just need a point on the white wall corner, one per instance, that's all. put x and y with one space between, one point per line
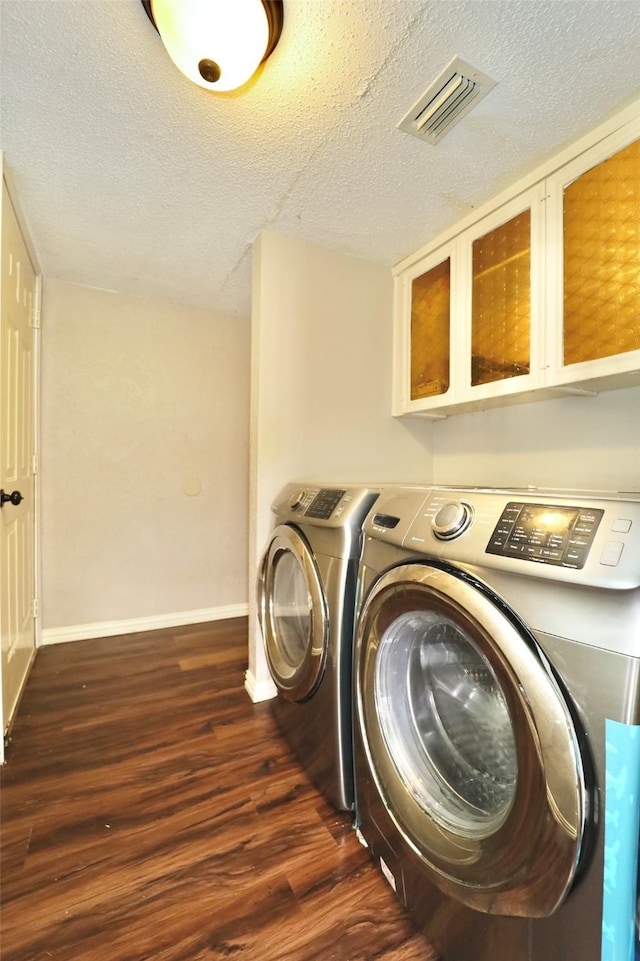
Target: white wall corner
259 689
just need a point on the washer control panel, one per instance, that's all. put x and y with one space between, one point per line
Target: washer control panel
590 537
544 533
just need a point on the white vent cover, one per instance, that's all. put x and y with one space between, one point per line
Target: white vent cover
458 88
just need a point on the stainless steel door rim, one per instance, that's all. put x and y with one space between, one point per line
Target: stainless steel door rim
498 824
293 614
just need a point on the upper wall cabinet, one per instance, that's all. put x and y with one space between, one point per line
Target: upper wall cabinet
538 297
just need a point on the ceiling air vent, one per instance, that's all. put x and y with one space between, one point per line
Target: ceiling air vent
458 88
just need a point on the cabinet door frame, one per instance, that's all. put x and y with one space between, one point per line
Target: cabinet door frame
473 395
403 281
618 370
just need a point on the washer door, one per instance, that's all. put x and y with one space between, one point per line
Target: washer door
470 741
293 614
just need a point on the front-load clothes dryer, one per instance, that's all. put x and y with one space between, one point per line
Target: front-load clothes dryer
306 598
497 728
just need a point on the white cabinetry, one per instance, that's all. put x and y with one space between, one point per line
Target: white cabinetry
537 296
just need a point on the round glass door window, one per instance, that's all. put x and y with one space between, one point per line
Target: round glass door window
446 723
290 610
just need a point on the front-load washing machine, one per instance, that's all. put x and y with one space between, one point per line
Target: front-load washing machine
497 728
306 599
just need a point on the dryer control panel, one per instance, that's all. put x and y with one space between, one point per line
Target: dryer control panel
324 503
318 506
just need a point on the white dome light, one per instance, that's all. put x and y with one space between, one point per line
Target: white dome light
219 44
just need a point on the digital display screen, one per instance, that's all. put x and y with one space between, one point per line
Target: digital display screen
552 520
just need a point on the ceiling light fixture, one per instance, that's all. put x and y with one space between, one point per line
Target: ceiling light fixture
219 44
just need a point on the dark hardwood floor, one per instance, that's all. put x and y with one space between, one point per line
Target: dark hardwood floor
151 811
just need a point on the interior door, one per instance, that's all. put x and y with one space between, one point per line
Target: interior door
17 517
471 742
293 614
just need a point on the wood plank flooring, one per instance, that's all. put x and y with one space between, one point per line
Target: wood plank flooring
151 811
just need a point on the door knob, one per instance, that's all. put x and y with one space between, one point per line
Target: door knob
13 498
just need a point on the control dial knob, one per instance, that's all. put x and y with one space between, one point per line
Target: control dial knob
297 499
451 520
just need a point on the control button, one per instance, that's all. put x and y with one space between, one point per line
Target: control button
579 541
513 549
576 557
580 528
621 526
611 553
451 520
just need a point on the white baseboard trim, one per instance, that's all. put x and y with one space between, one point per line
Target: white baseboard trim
84 632
263 690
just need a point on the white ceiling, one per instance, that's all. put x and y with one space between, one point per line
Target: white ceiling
133 179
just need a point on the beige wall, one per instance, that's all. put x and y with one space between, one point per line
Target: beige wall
145 410
576 442
321 385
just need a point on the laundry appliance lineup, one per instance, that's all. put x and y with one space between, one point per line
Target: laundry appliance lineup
484 648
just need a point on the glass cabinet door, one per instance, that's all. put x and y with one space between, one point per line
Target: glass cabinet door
593 267
501 314
601 259
501 302
430 354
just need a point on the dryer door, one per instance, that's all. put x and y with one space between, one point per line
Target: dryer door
471 742
293 614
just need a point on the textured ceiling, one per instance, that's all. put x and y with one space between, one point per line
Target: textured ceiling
133 179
